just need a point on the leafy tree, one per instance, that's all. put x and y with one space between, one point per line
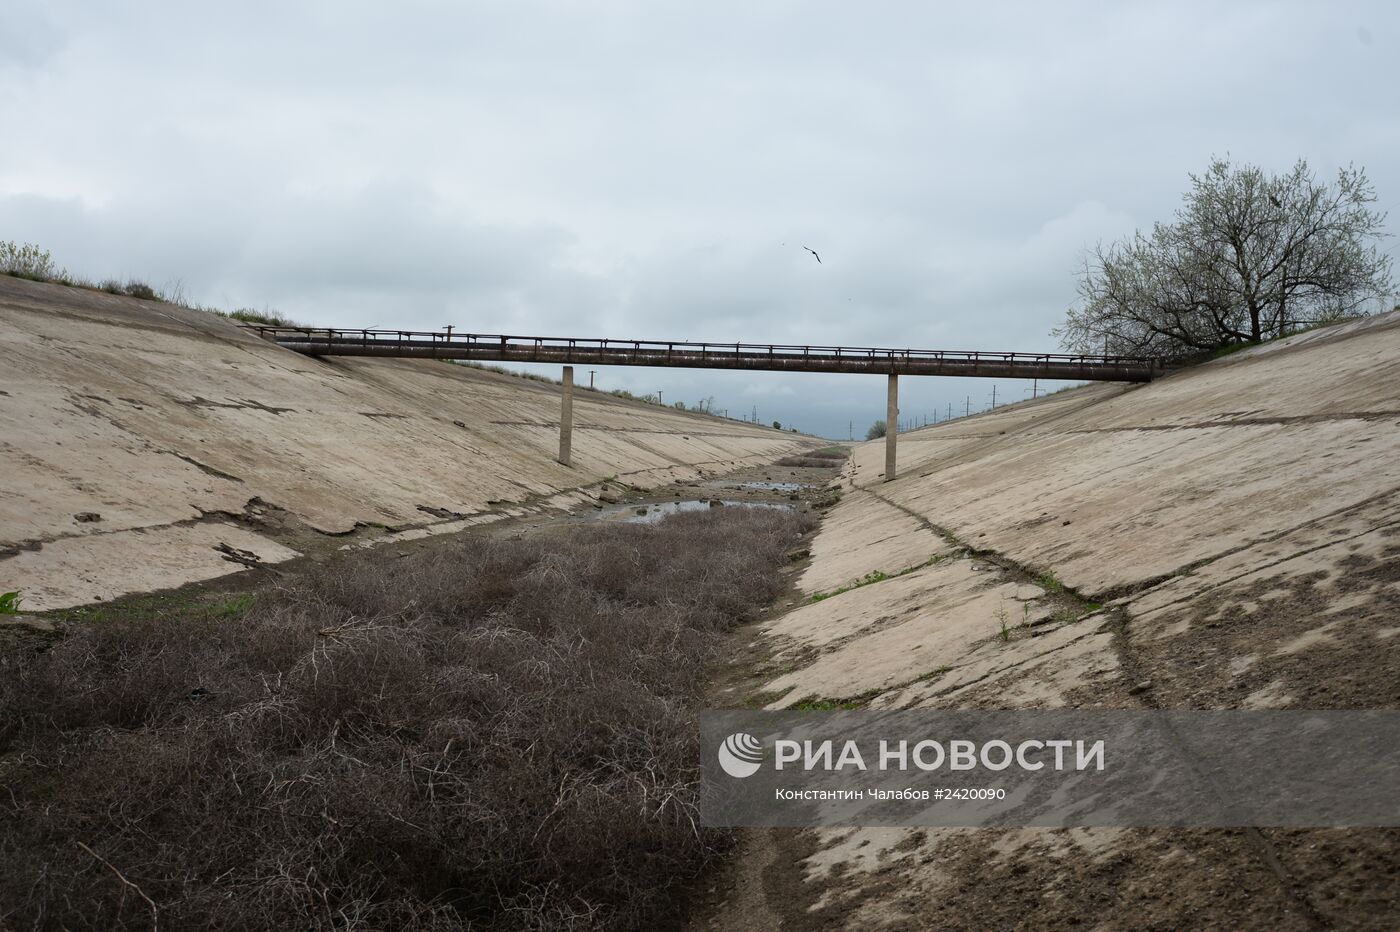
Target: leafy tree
876 431
1248 256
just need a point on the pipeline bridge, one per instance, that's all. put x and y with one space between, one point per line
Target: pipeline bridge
571 351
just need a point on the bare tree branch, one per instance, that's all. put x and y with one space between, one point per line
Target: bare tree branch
1247 256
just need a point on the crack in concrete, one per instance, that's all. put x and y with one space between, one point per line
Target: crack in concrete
202 467
1117 624
1126 592
247 517
444 513
554 425
199 401
1085 609
1021 663
242 557
1264 566
1250 422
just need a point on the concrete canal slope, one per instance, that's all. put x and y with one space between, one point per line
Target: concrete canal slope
144 445
1228 537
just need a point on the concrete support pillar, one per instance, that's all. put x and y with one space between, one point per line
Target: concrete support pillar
566 418
891 424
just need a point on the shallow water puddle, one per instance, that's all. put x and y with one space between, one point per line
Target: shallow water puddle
771 486
652 512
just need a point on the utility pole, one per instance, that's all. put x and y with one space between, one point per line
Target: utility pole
754 417
950 411
658 396
994 397
590 377
850 430
967 406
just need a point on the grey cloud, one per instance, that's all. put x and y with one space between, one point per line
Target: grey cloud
28 36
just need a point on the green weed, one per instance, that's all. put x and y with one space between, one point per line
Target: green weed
1003 630
761 700
827 705
866 580
234 607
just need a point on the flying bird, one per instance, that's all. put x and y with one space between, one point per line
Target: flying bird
1273 199
814 254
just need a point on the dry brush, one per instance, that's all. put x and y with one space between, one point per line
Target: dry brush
494 734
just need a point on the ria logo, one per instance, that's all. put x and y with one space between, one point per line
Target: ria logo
740 755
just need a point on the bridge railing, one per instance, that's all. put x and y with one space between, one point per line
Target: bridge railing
495 342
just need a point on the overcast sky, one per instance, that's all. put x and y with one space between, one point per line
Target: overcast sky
652 170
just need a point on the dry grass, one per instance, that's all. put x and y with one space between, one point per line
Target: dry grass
831 456
249 315
496 734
